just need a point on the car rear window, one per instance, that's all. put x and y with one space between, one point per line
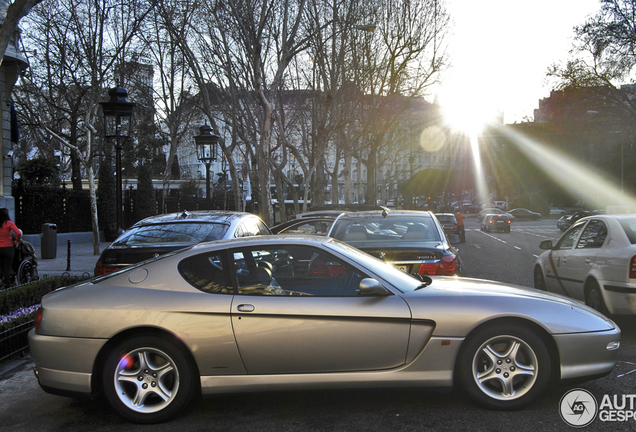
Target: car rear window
629 225
390 229
172 233
446 218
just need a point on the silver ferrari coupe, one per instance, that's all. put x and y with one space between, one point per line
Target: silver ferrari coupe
290 312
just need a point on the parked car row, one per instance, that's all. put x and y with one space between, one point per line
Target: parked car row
215 316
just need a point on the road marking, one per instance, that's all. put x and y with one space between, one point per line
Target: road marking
517 247
536 256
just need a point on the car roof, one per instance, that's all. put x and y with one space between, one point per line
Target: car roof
218 216
385 214
348 207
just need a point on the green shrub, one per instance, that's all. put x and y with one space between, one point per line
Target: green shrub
31 294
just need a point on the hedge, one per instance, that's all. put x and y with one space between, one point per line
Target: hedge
15 304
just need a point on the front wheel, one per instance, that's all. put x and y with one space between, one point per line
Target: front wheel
147 379
539 281
504 367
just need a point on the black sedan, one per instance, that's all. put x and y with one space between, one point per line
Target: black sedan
157 235
412 241
567 221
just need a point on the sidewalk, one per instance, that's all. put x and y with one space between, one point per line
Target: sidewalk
82 260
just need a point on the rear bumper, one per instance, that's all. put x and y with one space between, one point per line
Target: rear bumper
620 298
64 364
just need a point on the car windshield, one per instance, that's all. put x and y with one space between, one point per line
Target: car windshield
391 229
172 233
629 225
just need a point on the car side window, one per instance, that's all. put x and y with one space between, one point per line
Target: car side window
593 236
262 228
568 239
206 272
248 228
294 270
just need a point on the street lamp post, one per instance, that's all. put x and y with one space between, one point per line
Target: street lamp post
206 143
118 127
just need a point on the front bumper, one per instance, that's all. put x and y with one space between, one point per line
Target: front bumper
587 355
64 364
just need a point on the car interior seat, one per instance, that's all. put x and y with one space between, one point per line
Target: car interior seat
415 232
356 233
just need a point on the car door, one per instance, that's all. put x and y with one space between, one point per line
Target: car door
297 310
581 258
558 274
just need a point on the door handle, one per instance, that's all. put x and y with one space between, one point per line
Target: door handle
245 308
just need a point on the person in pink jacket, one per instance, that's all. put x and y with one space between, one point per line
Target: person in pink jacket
7 245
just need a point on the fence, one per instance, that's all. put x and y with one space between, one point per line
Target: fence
70 210
14 340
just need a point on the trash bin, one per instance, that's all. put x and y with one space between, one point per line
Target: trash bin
48 247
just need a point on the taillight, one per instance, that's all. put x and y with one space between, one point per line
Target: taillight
320 267
632 268
447 265
99 268
38 318
428 268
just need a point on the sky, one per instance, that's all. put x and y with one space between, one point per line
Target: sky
500 51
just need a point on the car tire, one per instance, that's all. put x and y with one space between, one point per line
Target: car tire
594 298
504 367
147 379
539 280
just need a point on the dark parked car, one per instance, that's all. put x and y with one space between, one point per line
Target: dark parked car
309 225
448 222
412 241
482 214
496 222
521 214
566 221
157 235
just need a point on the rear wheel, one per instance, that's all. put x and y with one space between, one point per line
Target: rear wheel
504 367
594 299
147 379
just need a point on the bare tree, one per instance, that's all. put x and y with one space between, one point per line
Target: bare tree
15 12
83 43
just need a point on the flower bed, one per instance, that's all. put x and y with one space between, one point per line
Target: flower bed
17 308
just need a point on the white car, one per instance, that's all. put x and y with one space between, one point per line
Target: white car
556 211
594 261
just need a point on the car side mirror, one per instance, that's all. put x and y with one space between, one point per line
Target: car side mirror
546 244
371 287
454 239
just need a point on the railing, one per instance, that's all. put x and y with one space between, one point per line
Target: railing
14 340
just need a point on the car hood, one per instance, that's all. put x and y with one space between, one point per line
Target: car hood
454 302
